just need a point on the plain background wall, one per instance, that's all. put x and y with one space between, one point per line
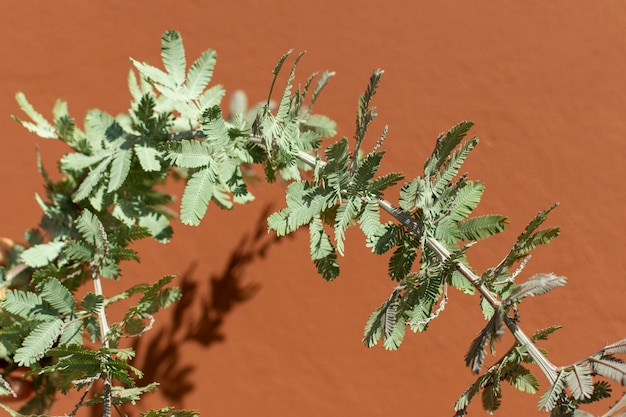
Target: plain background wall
258 333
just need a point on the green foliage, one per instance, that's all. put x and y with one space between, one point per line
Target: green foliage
109 196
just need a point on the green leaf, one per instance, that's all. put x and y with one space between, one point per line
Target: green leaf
72 333
369 222
154 74
481 227
200 74
173 55
158 225
190 154
58 296
336 169
42 254
538 284
214 127
549 399
580 381
345 215
401 261
491 332
451 166
27 305
80 161
492 396
149 158
321 83
382 183
445 144
524 380
92 303
467 199
120 167
543 334
41 127
79 251
38 342
322 125
92 179
196 197
609 367
169 412
89 227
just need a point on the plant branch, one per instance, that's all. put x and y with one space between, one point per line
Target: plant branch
548 369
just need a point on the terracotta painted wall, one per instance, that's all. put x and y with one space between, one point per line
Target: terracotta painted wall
258 333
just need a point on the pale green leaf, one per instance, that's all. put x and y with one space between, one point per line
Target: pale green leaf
92 179
42 254
173 55
26 304
190 154
149 158
154 74
482 227
322 125
549 399
120 167
196 197
38 342
345 215
58 296
580 381
200 74
445 145
40 125
538 284
88 226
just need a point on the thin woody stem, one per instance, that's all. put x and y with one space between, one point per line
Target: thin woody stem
433 244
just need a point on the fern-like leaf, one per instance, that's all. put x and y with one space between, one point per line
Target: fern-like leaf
345 215
537 285
452 165
617 347
173 55
92 179
200 74
190 154
196 197
120 167
580 381
550 398
445 144
39 125
322 125
58 296
543 334
38 342
481 227
476 353
609 367
88 226
42 254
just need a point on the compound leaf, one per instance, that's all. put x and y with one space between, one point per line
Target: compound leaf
200 74
173 55
58 296
477 228
196 197
42 254
38 342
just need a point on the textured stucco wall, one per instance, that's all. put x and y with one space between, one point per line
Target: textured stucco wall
258 333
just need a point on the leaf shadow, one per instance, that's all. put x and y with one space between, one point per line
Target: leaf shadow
199 316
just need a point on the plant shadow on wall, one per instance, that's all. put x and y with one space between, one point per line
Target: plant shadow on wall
199 317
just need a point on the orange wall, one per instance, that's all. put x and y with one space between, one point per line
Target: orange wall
265 336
